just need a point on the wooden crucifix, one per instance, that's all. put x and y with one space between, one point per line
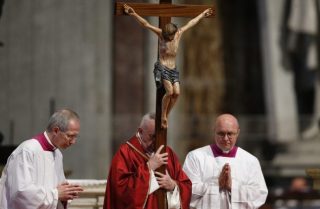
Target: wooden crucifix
165 10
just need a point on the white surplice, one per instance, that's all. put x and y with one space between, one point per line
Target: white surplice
248 191
30 178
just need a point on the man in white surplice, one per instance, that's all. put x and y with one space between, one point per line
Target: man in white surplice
223 175
33 177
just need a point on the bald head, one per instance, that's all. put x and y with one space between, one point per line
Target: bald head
226 131
228 119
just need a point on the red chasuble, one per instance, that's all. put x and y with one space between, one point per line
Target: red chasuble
129 178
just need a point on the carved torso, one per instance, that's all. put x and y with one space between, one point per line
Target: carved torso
168 51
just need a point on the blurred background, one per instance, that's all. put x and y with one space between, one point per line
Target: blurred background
258 60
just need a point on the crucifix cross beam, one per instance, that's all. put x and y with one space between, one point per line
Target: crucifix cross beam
164 9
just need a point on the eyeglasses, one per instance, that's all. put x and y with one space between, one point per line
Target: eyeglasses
70 137
230 135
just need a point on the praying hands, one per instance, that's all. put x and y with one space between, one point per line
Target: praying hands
225 178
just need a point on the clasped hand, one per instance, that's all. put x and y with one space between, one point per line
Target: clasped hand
158 159
68 191
165 181
225 178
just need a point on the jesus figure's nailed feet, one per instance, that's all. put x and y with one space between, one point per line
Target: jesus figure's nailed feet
164 123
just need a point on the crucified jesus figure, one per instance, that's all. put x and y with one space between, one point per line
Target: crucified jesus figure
165 70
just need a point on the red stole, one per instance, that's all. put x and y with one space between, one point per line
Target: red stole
217 152
46 146
129 176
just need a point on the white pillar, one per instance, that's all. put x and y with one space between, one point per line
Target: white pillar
279 90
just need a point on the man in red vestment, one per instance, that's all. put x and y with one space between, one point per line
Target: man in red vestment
132 177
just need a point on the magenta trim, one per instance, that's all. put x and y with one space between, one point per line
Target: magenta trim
41 138
217 152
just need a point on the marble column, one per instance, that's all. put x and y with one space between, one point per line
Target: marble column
58 54
279 91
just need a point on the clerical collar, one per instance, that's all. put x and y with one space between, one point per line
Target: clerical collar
139 138
45 142
217 152
48 140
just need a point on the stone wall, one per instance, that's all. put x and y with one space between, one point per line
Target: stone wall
58 54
